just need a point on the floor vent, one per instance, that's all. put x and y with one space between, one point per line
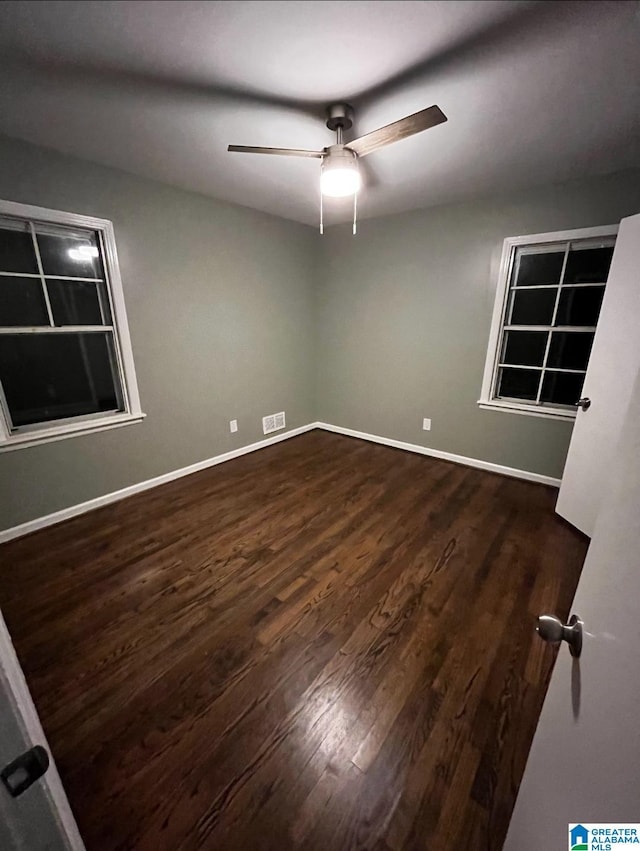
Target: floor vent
274 422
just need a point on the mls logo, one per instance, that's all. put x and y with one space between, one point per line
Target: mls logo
578 838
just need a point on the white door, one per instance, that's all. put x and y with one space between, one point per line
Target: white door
584 765
615 358
39 819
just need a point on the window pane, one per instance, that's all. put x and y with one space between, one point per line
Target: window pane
519 383
16 251
562 388
22 302
74 302
588 266
570 349
524 347
542 268
69 255
532 307
52 376
579 305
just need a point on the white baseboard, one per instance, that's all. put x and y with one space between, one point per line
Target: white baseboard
445 456
106 499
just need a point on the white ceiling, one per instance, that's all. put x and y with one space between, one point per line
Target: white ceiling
534 92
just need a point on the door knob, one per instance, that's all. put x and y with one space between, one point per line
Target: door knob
584 403
551 629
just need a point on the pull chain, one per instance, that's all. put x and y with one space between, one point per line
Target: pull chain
355 210
321 199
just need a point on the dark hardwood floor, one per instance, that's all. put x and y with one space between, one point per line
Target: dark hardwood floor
327 644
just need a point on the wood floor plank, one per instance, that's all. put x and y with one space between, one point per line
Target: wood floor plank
328 644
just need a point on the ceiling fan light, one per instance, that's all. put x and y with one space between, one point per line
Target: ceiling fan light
340 182
340 175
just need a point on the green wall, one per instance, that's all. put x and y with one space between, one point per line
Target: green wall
220 307
404 311
237 314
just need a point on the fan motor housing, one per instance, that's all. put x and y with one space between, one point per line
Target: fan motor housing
340 115
339 155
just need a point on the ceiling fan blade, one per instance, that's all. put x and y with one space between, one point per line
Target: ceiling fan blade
408 126
282 152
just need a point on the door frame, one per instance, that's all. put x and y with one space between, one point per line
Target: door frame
14 685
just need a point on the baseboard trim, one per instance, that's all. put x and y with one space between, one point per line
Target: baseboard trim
445 456
114 496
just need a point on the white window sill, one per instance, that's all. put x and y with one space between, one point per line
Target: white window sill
48 435
527 410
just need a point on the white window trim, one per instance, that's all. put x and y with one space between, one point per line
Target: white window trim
509 247
133 411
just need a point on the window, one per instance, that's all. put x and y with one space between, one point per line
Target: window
66 365
548 300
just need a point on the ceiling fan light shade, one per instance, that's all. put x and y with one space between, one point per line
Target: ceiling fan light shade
340 175
340 182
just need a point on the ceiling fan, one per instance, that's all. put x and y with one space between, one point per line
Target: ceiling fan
339 172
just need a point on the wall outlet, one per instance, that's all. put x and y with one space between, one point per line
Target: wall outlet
274 422
233 425
426 424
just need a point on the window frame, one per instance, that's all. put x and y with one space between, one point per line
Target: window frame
487 400
38 433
